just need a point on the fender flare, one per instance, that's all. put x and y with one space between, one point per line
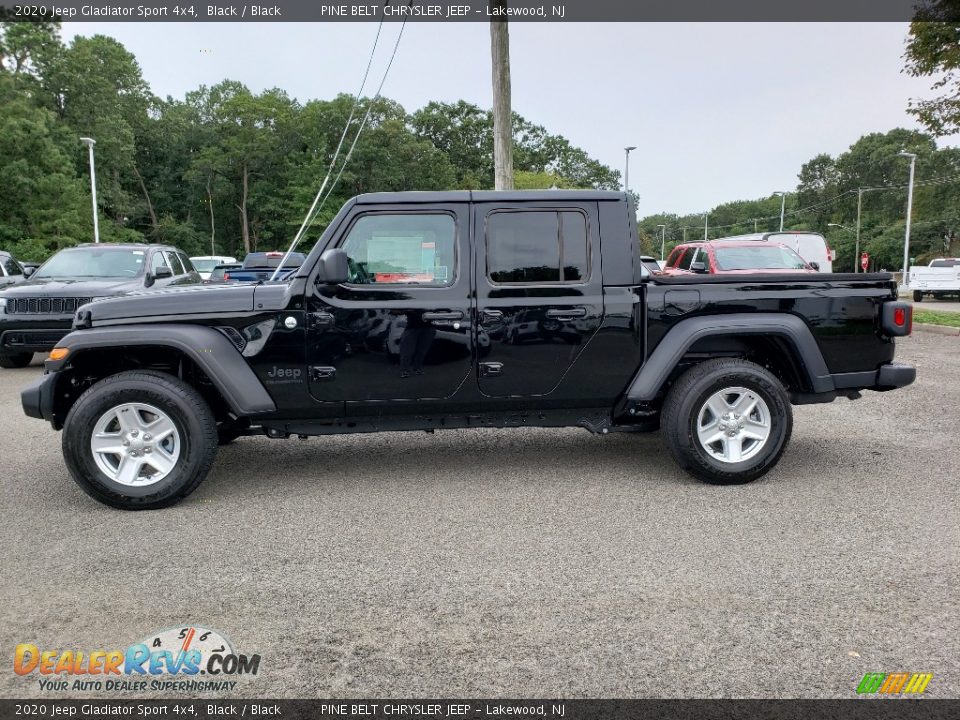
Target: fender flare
208 348
655 372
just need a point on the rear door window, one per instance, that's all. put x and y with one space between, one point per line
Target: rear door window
537 246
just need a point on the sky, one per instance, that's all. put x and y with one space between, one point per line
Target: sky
717 111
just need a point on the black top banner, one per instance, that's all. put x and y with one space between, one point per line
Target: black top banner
475 10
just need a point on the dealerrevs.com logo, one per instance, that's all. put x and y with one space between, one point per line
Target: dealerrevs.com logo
187 659
900 683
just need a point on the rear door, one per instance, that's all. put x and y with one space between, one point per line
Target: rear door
539 293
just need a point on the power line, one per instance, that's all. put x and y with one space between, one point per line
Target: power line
319 202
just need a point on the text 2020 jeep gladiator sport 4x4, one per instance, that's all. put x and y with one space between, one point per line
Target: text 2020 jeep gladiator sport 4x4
425 311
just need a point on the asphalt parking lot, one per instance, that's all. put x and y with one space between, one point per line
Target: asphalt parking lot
536 563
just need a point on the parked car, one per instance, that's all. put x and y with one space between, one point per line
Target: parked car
205 264
260 266
940 279
11 271
811 246
147 385
37 312
221 273
732 257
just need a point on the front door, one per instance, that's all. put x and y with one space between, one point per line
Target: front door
399 329
539 293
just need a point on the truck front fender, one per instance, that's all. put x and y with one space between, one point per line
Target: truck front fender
656 371
213 353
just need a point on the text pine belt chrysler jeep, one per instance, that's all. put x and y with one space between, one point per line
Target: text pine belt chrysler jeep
427 311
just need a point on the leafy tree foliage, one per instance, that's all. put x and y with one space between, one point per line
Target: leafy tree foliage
933 50
223 170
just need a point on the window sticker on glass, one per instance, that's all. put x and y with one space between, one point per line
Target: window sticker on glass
401 249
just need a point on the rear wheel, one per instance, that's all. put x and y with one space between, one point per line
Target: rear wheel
727 421
917 296
140 440
15 360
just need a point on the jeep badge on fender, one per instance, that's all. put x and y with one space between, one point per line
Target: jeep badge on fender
425 311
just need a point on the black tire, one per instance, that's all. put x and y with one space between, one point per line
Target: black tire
190 413
917 296
682 411
15 360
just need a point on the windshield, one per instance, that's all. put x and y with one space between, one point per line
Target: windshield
945 263
93 263
760 257
204 265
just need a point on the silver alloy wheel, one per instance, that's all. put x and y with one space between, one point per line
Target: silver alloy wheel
733 425
135 444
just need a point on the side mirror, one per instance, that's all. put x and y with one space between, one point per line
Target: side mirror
698 267
28 271
815 265
334 267
159 274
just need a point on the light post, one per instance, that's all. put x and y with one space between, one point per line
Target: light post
706 219
856 255
90 142
783 205
626 169
663 239
906 241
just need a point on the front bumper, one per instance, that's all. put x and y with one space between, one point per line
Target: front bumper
37 398
27 333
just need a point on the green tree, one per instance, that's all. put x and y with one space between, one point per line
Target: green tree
933 49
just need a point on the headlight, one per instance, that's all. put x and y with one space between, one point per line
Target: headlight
3 305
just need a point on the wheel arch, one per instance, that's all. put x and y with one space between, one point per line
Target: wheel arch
198 354
777 337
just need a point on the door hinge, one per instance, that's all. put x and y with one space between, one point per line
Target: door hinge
322 373
491 369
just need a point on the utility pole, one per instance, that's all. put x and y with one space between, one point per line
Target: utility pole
502 113
663 239
706 217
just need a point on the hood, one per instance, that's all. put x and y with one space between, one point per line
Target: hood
192 300
65 287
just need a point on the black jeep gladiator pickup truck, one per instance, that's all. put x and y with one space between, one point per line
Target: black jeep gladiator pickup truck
426 311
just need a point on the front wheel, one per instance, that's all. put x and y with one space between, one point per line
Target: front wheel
727 421
139 440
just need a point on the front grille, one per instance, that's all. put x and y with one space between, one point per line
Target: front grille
45 305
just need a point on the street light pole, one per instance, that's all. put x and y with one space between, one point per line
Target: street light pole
856 253
626 169
706 219
783 205
90 142
663 239
906 241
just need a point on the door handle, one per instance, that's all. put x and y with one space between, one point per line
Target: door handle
567 313
452 315
493 314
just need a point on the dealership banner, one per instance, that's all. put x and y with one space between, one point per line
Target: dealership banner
462 10
360 709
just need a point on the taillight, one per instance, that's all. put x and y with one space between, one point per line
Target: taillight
226 276
897 319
